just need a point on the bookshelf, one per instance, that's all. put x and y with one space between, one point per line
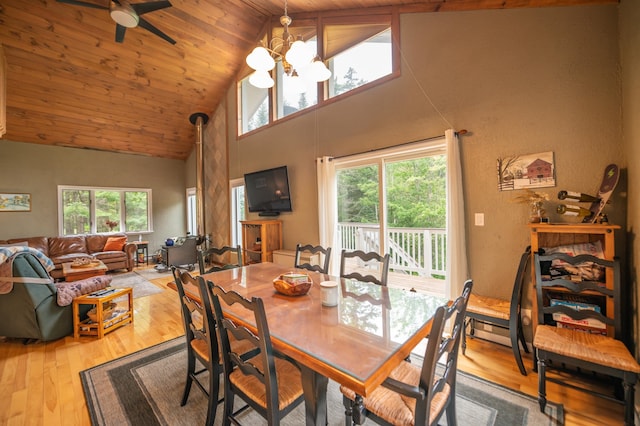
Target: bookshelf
545 235
260 238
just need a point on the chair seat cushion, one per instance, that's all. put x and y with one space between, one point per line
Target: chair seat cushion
289 383
595 348
483 305
396 408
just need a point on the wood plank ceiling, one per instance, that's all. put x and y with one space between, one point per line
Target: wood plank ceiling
70 84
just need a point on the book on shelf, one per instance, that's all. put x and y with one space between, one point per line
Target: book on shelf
578 306
578 327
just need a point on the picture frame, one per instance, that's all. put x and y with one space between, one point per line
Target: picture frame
15 202
526 171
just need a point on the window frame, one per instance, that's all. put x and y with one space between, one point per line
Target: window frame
92 208
374 16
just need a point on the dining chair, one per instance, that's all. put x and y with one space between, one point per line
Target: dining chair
270 382
570 320
414 394
501 313
325 254
202 345
220 257
357 262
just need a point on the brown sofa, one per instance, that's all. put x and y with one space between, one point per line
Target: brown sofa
68 248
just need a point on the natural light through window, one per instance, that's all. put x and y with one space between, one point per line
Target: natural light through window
361 64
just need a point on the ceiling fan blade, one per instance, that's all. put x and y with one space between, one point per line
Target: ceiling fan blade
120 29
147 26
142 8
83 4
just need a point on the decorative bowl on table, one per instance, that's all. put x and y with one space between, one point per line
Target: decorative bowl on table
293 284
84 262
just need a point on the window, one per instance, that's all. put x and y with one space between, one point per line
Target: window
99 210
361 64
192 212
358 50
237 210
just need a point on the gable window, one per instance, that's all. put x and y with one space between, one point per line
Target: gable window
85 210
359 50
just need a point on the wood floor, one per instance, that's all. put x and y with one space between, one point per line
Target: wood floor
40 382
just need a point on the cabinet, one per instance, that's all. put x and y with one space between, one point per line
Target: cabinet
544 235
260 238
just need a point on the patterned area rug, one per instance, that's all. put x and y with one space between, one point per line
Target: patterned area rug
145 388
141 287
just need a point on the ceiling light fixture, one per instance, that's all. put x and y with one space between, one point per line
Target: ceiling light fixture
298 60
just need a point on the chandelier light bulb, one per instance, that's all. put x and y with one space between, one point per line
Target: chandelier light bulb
260 60
299 55
261 79
318 71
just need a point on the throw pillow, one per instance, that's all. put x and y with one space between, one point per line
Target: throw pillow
115 244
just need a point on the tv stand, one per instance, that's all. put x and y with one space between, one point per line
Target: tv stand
269 214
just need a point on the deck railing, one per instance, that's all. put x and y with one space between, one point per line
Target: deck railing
414 251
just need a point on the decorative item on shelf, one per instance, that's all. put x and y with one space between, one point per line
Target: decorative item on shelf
535 200
293 284
107 310
299 61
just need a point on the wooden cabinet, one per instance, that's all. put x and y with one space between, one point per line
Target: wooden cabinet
260 238
544 235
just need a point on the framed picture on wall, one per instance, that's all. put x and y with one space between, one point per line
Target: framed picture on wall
15 202
526 171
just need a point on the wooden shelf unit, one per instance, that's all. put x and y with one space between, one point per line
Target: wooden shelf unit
260 238
121 315
545 235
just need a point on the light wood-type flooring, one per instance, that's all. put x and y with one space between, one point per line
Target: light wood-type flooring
40 383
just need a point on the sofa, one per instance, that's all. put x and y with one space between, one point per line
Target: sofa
32 306
67 248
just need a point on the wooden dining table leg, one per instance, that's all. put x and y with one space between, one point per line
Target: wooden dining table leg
314 386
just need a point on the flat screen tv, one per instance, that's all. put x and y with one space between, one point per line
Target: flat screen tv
268 191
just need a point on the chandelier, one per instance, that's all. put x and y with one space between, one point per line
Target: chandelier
298 60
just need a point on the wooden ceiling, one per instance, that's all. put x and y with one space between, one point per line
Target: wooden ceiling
70 84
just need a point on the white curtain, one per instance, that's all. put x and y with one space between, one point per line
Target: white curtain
328 209
457 271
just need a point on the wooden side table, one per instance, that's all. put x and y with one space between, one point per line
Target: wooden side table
142 252
104 323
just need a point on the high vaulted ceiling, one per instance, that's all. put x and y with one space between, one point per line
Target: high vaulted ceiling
70 84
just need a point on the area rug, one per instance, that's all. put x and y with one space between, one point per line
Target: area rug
153 273
141 287
145 388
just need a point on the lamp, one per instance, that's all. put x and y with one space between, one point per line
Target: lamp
298 61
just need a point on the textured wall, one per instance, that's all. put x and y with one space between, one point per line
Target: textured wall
521 81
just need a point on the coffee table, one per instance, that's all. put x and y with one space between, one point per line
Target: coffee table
75 273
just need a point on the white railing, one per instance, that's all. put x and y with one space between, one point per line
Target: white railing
414 251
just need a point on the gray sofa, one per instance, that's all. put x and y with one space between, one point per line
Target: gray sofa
67 248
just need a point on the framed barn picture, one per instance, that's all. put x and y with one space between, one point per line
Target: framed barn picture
526 171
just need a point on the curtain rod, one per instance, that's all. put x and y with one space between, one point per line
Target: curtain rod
460 132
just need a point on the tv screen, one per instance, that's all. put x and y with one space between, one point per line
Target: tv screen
268 191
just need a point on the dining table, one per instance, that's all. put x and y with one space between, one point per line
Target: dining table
357 342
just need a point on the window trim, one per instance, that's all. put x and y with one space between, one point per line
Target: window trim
373 16
92 213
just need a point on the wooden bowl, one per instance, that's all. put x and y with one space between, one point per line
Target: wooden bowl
289 289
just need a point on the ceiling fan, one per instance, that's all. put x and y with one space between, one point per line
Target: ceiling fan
127 15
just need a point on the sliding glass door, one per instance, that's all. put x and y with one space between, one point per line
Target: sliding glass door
394 202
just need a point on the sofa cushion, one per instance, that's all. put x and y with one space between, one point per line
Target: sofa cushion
59 246
115 244
38 243
96 242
